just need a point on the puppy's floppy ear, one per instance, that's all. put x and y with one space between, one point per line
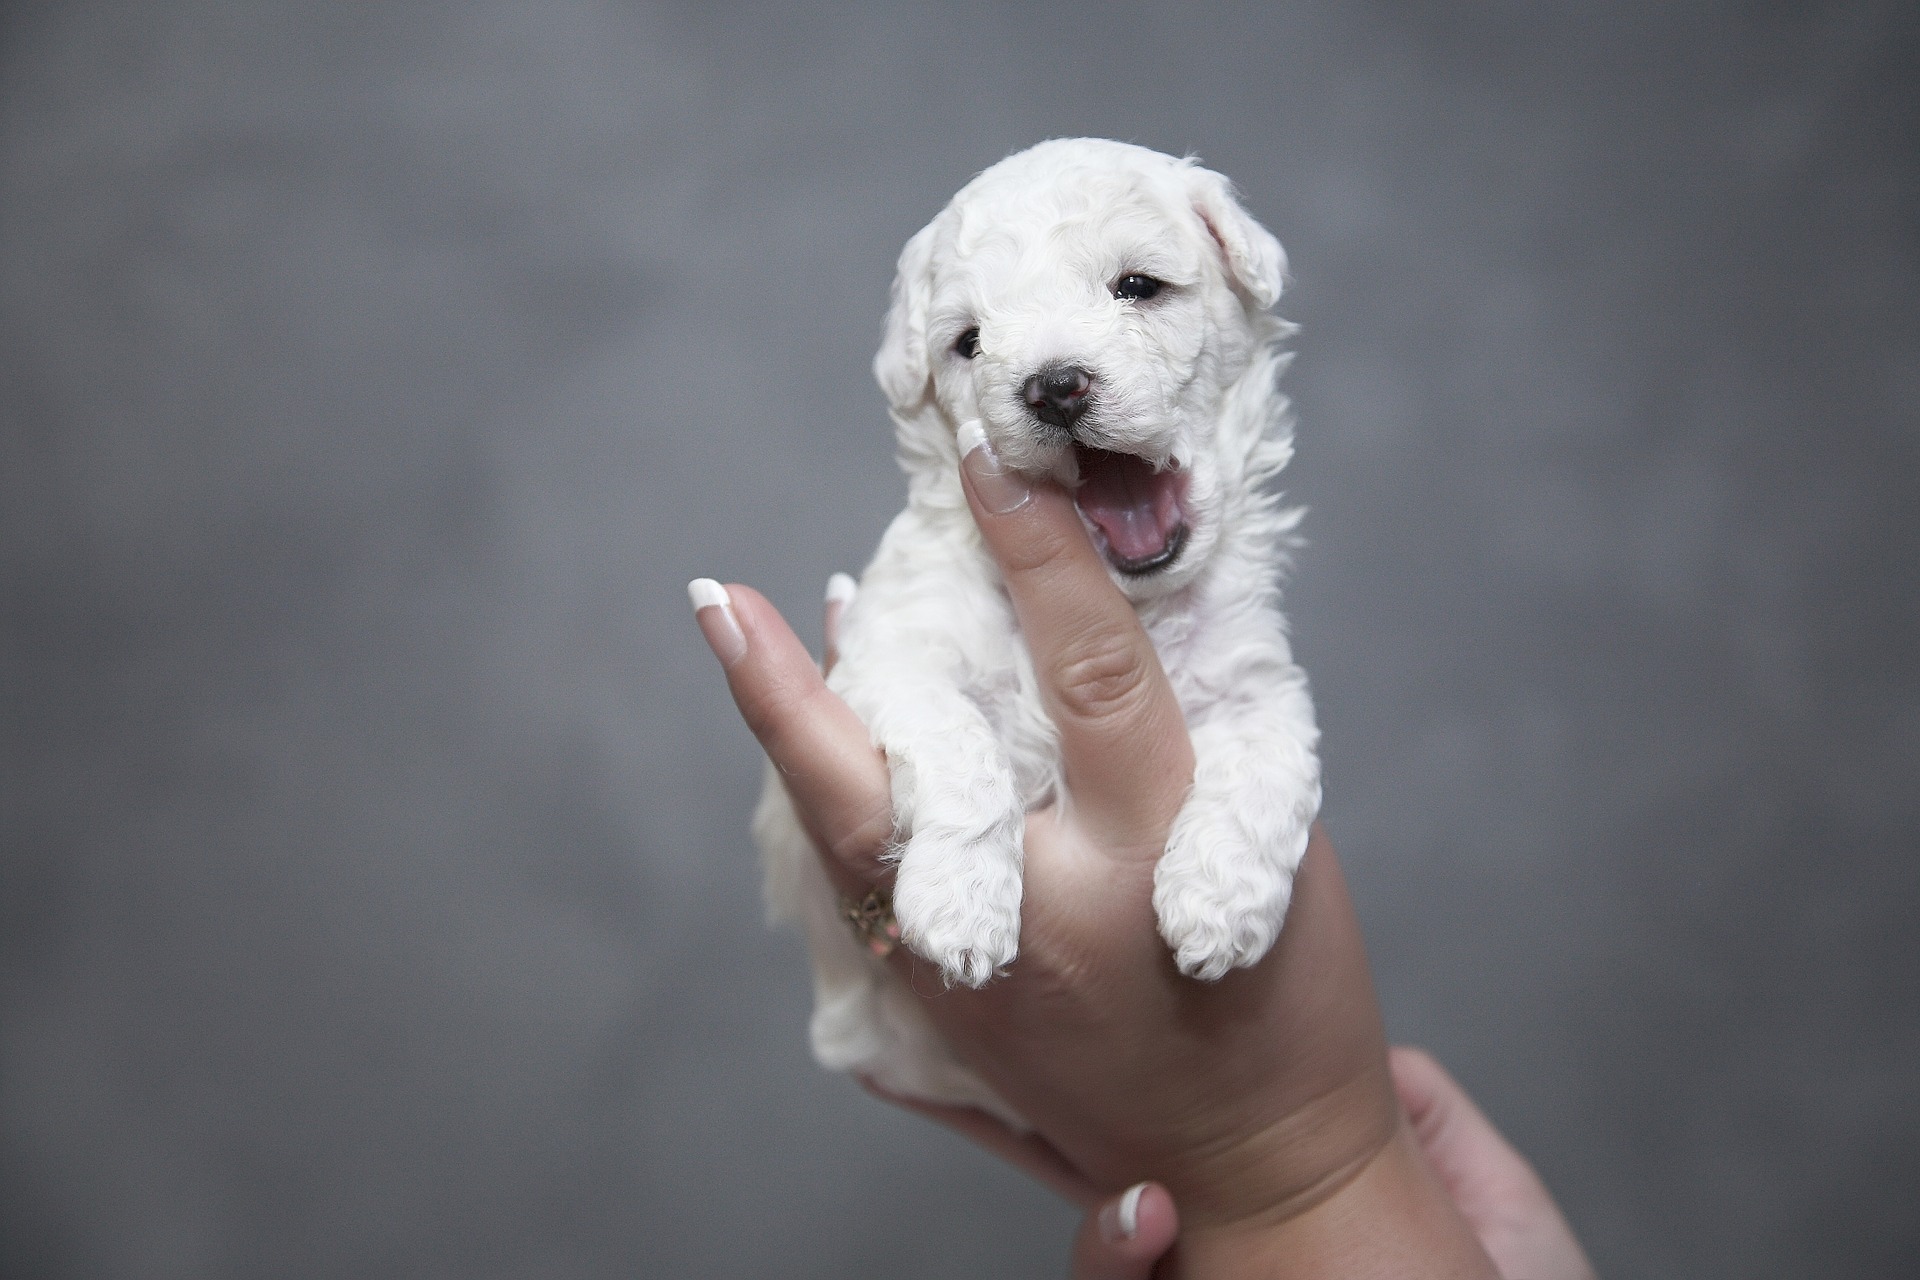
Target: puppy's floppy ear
902 366
1254 258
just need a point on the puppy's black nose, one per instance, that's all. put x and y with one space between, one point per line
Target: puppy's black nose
1058 394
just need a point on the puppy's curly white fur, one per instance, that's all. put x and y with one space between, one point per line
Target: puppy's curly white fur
1099 314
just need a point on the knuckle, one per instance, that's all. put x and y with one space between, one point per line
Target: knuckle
773 708
1101 679
770 699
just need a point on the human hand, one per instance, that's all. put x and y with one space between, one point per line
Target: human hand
1496 1190
1509 1209
1263 1101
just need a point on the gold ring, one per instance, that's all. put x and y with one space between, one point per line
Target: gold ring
873 922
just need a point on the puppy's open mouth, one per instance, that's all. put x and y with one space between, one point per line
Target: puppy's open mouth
1138 513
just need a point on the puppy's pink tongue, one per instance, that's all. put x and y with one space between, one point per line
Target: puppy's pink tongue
1134 506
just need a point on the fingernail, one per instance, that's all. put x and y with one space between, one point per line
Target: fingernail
841 589
713 610
998 489
1119 1220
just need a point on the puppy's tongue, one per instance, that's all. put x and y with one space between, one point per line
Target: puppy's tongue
1135 507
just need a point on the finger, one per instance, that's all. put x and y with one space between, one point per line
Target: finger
1126 1235
841 590
837 779
1464 1147
1492 1184
1123 742
1028 1152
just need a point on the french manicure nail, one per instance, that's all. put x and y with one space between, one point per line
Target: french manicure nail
713 610
841 589
998 489
1119 1220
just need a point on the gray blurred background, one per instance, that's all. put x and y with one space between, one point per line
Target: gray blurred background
377 897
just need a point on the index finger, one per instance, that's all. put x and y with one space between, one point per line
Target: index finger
837 780
1123 741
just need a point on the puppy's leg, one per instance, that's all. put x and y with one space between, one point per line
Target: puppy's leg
1221 890
865 1020
957 896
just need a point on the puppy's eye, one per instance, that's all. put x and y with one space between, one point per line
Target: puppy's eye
1136 286
968 343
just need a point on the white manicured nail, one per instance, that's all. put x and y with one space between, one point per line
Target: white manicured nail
970 436
841 589
1119 1221
1000 491
713 610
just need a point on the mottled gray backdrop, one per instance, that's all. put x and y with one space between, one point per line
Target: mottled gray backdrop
377 898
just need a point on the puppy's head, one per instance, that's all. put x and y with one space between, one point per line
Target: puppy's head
1092 304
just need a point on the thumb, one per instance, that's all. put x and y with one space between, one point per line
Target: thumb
1124 1236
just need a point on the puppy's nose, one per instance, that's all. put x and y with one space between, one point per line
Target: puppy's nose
1058 394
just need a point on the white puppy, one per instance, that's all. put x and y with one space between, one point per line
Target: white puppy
1098 312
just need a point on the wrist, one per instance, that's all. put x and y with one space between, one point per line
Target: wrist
1388 1216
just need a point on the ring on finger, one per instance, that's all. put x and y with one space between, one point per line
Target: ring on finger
873 922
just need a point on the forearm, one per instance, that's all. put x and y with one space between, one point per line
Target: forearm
1392 1220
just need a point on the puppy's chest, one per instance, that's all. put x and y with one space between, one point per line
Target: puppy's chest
1009 699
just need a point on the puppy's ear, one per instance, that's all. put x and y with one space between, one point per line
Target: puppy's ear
1254 258
902 366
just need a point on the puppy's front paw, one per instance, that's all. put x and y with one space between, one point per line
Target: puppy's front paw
1220 901
958 904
